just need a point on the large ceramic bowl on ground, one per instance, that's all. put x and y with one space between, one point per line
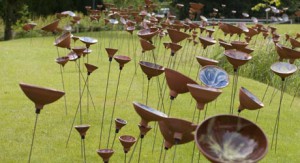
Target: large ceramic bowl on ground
39 95
151 69
148 114
213 76
283 69
229 138
248 100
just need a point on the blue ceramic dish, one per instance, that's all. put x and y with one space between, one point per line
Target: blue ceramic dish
213 76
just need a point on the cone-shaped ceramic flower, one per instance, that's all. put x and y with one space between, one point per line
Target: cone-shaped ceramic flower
248 100
105 154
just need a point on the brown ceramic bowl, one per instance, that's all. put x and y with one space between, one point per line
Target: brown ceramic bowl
229 138
63 41
88 41
147 113
237 58
151 69
120 123
29 26
282 53
82 129
146 45
78 50
283 69
90 68
127 141
174 48
147 34
39 95
72 56
225 45
206 61
177 82
238 45
177 36
248 100
203 94
122 60
62 60
206 41
105 154
51 27
111 52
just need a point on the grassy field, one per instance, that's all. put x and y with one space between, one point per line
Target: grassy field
32 61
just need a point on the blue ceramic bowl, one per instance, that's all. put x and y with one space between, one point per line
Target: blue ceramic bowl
214 76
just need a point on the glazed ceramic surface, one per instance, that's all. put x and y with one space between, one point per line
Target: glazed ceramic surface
177 36
203 61
237 58
283 69
248 100
127 141
229 138
151 69
82 129
105 154
213 76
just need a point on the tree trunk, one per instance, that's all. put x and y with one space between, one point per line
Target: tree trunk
8 19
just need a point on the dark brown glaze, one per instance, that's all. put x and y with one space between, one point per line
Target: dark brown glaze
177 82
105 154
210 32
130 29
82 129
51 27
239 45
147 113
127 141
176 131
147 34
146 45
291 53
287 37
252 32
234 30
120 123
248 100
144 130
206 61
282 53
151 69
62 60
237 58
174 48
295 43
229 138
283 69
111 52
196 6
206 41
75 38
177 36
63 41
78 50
122 60
225 45
28 26
40 96
90 68
203 94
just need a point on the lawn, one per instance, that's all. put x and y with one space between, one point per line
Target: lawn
33 61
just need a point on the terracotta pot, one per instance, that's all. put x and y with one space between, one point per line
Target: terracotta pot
174 48
206 61
40 96
63 41
177 36
82 129
90 68
105 154
88 41
78 50
214 77
229 138
120 123
148 114
248 100
122 60
283 69
151 69
51 27
237 58
147 34
127 141
177 82
146 45
291 53
111 52
206 41
178 128
62 60
203 94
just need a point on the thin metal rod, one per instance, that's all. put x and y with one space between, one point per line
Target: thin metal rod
132 153
113 109
104 104
169 112
147 92
139 158
198 119
63 84
33 136
84 155
174 153
112 146
165 156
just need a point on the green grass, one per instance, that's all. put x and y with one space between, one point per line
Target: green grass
32 61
